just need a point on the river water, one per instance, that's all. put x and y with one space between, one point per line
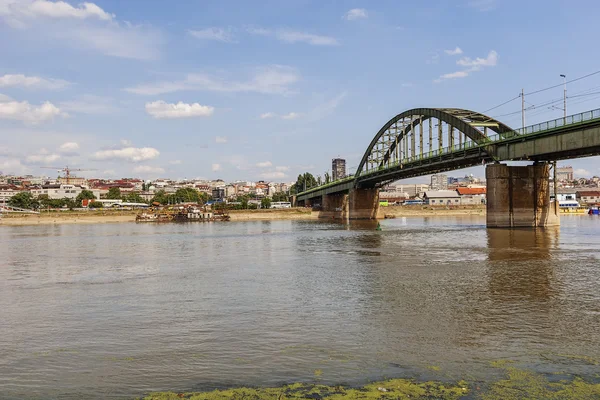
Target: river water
118 310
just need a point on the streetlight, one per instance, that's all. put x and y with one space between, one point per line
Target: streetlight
564 95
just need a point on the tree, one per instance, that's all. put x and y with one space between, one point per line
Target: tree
304 182
327 178
47 202
133 197
95 204
279 196
114 193
85 195
70 203
24 200
265 203
160 196
243 200
187 195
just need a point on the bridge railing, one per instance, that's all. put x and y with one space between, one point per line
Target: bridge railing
549 125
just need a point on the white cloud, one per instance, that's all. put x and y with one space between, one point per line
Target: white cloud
253 30
327 108
28 113
356 13
264 164
18 10
282 168
454 75
32 82
303 37
132 154
457 51
220 139
272 79
109 172
291 115
582 173
4 98
267 115
175 162
272 175
160 109
85 27
490 61
216 167
148 170
290 36
218 34
89 104
69 148
483 5
471 66
43 157
12 166
434 58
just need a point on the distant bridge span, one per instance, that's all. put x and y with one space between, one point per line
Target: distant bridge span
425 141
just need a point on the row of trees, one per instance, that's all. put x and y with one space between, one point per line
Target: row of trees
182 195
27 200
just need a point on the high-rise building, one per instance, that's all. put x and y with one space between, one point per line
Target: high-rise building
338 169
564 173
439 182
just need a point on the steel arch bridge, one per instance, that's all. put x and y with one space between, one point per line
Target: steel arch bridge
424 141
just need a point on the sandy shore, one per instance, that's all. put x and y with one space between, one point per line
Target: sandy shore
236 215
66 218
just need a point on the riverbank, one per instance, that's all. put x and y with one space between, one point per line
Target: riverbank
516 384
420 211
68 217
104 216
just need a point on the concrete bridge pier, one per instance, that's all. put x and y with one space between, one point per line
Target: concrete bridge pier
519 196
363 203
335 206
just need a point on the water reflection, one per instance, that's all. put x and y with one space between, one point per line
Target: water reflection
521 263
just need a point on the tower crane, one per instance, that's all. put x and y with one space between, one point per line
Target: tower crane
68 171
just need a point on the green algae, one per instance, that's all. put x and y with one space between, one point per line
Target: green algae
518 384
521 384
391 389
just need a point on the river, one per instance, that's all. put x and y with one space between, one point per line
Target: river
119 310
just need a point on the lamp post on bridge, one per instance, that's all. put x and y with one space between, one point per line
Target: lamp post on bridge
564 96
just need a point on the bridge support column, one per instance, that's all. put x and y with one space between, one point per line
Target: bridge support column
520 196
363 203
335 206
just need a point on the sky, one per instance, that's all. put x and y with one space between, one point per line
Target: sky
265 90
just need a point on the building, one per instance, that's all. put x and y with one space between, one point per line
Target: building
72 180
564 173
414 190
62 191
564 194
442 198
8 191
471 196
218 193
338 169
439 182
588 196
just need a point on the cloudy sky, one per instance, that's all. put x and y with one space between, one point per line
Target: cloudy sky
269 89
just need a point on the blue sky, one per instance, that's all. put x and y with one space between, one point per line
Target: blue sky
269 89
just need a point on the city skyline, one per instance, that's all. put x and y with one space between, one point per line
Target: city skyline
266 94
